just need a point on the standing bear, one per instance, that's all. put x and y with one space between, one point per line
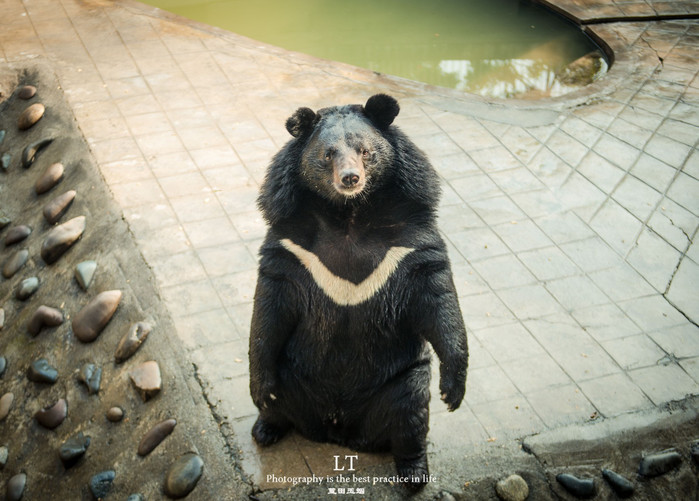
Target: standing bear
354 281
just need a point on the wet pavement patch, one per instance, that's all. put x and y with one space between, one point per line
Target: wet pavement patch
73 286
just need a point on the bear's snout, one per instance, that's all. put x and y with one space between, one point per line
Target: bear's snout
349 176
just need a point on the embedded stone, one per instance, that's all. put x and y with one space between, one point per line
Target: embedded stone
5 161
50 178
44 316
146 379
91 376
52 416
15 262
2 318
183 475
40 371
155 435
6 404
54 210
3 365
621 485
4 454
654 465
136 497
84 273
30 116
2 136
15 487
95 315
115 414
131 341
73 449
17 234
512 488
101 484
26 288
26 92
582 488
4 222
30 153
61 238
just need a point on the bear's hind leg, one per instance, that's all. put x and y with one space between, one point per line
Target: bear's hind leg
267 430
397 418
409 447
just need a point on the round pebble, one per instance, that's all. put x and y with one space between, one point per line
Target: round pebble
32 150
61 238
5 161
582 488
2 136
26 92
622 486
155 435
50 178
95 315
52 416
3 365
54 210
2 318
30 116
512 488
101 484
183 475
654 465
73 449
131 341
15 263
26 288
15 487
40 371
146 379
4 454
91 377
17 234
115 414
84 273
136 497
6 404
44 316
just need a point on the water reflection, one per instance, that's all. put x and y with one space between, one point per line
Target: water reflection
497 48
522 78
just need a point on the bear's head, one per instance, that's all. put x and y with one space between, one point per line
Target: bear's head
345 149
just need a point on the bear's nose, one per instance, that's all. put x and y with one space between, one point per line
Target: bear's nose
349 180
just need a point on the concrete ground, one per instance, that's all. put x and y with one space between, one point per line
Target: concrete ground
571 221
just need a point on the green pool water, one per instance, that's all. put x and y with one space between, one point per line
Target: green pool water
496 48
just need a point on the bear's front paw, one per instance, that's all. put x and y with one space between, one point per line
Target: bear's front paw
265 433
263 395
452 392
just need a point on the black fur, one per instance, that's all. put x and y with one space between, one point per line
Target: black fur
355 375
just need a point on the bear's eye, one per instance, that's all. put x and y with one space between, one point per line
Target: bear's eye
365 153
328 155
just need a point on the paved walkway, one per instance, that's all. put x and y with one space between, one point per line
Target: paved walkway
571 222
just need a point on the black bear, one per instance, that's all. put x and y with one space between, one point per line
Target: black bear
354 280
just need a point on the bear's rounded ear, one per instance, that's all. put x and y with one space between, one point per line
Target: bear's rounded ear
381 109
301 122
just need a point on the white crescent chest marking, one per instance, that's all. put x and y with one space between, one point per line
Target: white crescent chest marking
341 291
